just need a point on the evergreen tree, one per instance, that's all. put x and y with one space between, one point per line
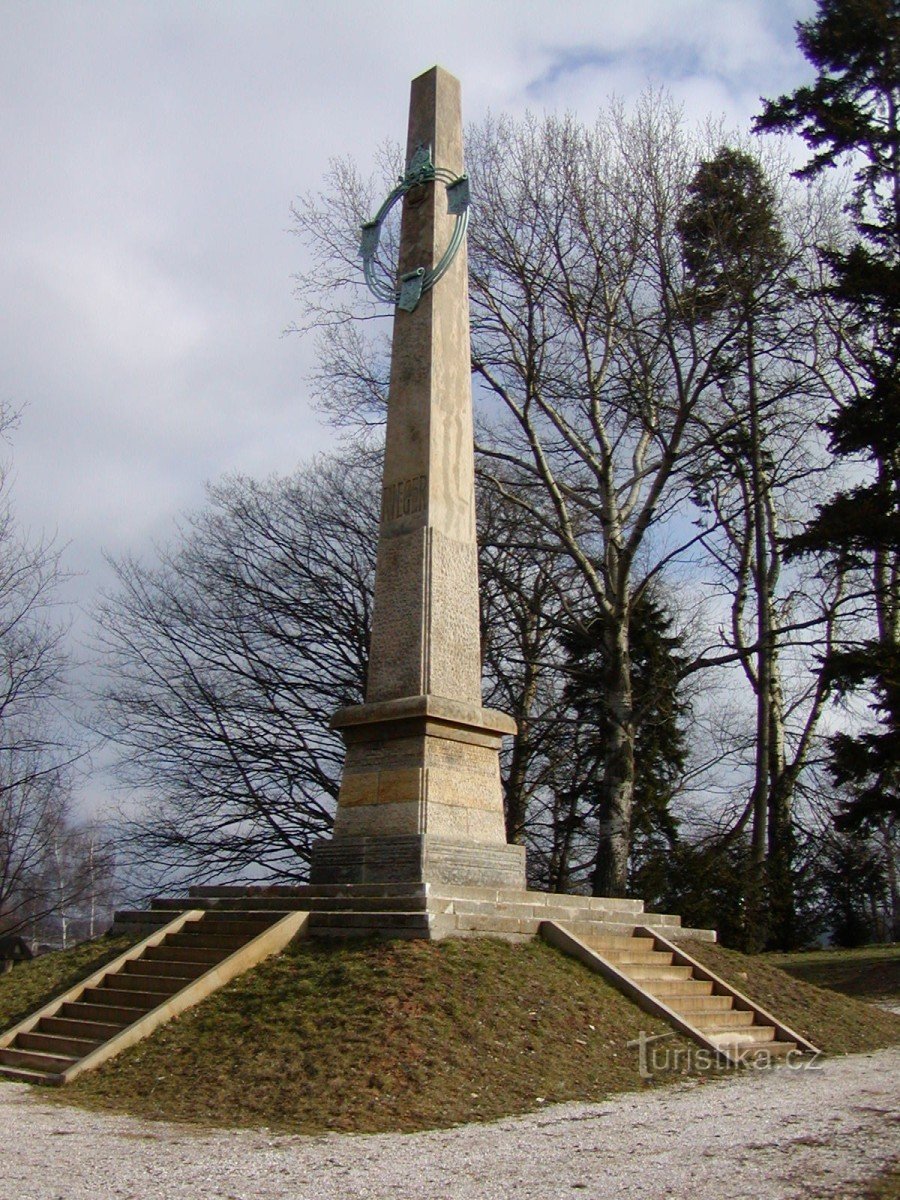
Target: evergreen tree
852 878
851 114
660 711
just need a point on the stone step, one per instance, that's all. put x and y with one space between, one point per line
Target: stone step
653 974
245 925
600 934
644 958
114 997
685 932
165 966
692 1005
207 939
720 1020
562 912
189 954
168 907
160 985
35 1060
119 1015
763 1050
670 989
280 904
741 1037
414 902
439 932
538 899
303 891
588 930
481 923
604 943
381 932
369 904
366 920
21 1075
661 920
142 916
56 1044
81 1030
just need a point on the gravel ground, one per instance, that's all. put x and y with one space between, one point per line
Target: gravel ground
778 1134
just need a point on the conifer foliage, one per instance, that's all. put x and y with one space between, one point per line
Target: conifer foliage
850 115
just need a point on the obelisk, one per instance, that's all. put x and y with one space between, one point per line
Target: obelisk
420 797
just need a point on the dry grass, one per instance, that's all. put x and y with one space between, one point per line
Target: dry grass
868 972
376 1037
885 1186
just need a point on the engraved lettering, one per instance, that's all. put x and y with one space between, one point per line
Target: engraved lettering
403 499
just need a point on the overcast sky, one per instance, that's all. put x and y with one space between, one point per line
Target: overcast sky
150 155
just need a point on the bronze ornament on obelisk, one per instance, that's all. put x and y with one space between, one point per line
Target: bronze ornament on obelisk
420 797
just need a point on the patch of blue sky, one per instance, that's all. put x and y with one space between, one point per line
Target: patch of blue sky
669 65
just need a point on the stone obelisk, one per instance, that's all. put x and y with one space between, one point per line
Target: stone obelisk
420 797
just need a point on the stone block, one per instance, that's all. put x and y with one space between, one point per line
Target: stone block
379 820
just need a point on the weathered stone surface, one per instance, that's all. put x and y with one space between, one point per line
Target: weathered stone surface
380 859
422 753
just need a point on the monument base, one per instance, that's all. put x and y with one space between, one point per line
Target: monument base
417 858
422 766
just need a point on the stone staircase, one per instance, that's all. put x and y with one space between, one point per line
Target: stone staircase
422 910
188 955
664 980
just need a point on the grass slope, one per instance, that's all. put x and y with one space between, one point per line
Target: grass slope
411 1035
869 972
375 1037
836 1023
885 1186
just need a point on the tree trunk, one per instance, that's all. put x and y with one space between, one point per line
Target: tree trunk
759 837
610 877
782 924
515 793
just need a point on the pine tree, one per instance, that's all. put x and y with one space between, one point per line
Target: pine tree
660 712
850 115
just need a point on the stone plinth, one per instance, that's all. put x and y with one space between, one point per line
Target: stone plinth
421 797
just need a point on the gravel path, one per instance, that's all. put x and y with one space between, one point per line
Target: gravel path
779 1134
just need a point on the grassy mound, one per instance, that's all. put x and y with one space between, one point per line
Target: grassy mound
411 1035
376 1037
836 1023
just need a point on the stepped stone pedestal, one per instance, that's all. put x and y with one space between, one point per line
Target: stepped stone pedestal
421 796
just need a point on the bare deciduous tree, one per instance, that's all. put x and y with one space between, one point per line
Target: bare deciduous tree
36 751
225 661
